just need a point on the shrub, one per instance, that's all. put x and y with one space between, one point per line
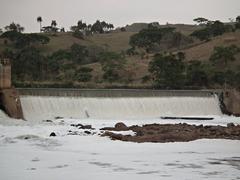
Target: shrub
84 74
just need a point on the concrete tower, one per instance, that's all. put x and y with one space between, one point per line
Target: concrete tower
5 74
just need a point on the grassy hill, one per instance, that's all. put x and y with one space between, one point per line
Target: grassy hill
136 65
116 41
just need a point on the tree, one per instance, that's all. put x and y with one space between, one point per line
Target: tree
167 71
52 28
84 74
81 26
237 25
201 20
97 27
78 53
202 34
238 19
111 26
54 23
27 64
79 29
151 37
22 40
14 27
39 20
62 29
56 60
217 28
196 74
221 56
112 64
212 29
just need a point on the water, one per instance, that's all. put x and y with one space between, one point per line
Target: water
44 107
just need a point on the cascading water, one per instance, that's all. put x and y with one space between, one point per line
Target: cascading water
44 107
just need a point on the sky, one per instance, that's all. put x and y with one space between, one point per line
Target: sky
117 12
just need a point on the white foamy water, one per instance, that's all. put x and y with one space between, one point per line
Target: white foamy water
42 107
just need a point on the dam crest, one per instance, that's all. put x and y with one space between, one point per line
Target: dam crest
117 104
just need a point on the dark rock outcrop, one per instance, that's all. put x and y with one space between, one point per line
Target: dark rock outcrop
52 134
176 133
10 103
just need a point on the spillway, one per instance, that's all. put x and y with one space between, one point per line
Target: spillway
117 104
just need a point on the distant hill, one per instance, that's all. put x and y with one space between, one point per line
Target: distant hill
186 29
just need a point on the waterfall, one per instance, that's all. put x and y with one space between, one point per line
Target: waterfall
49 107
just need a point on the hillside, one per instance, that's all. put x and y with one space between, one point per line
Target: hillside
116 41
183 28
203 51
137 65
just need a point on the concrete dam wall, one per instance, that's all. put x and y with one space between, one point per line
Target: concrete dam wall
116 104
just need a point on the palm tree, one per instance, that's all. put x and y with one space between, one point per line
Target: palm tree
39 20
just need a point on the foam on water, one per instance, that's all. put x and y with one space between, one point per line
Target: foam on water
43 107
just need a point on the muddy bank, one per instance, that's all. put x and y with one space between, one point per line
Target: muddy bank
172 132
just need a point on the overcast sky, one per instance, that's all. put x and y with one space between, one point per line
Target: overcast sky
118 12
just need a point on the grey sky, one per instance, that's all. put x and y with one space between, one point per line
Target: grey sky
118 12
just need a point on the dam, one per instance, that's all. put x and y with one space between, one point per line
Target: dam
117 104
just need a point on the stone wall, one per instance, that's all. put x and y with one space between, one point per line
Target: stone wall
232 101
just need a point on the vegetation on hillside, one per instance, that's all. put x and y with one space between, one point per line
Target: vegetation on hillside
96 55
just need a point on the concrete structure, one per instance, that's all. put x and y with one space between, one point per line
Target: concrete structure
232 101
5 74
9 97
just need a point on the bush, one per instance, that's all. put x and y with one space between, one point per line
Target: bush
212 29
167 71
112 64
84 74
196 74
23 40
78 53
78 34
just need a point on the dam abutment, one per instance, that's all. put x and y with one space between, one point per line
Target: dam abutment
9 97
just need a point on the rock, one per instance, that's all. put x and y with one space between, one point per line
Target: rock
174 132
76 125
58 117
107 129
113 136
139 133
52 134
81 126
47 120
87 132
229 125
121 127
86 127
